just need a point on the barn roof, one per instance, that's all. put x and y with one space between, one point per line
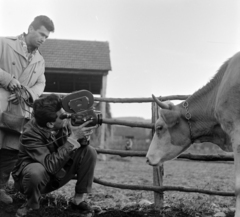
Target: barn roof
76 54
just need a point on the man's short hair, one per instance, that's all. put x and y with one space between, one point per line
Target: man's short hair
43 21
45 109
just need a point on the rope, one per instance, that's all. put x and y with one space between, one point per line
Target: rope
22 95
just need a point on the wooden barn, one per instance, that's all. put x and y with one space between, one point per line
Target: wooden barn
72 65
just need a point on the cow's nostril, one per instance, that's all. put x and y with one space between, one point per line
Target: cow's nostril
147 161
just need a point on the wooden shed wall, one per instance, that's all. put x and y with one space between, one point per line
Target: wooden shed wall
66 81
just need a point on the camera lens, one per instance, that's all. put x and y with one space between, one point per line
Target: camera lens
64 116
99 118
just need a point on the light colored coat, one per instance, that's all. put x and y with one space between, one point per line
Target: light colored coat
14 64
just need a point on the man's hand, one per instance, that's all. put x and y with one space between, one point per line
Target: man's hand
79 132
14 84
18 92
13 98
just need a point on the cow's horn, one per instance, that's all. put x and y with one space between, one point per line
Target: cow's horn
159 103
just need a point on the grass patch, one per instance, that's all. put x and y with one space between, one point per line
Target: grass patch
118 202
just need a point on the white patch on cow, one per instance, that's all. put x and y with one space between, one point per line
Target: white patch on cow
161 148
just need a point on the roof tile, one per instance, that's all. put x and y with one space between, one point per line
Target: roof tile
76 54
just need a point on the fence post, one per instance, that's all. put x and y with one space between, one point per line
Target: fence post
157 170
103 111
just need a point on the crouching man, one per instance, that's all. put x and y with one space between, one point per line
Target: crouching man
51 154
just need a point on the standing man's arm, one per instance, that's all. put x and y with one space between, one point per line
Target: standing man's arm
37 89
6 79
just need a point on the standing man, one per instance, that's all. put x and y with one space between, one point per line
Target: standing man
21 64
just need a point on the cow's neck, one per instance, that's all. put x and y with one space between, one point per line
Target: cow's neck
201 106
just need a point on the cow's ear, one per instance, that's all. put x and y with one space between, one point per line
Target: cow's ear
170 117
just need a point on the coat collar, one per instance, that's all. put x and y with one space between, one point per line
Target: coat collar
15 44
37 57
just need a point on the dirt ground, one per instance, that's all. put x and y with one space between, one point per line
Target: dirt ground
114 202
51 207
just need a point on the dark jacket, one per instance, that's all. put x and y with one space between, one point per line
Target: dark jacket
40 145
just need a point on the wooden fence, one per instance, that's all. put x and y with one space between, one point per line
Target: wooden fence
157 186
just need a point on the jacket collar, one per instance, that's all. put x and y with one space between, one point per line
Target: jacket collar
46 133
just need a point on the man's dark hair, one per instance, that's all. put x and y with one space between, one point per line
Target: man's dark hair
45 109
43 21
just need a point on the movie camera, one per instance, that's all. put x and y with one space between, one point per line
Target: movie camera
79 107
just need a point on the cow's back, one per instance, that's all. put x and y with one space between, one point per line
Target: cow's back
227 104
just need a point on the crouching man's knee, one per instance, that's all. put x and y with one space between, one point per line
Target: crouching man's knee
86 156
92 153
34 175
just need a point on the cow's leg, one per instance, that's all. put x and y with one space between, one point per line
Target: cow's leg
232 128
235 136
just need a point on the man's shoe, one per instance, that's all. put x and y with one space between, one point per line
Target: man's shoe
4 197
83 206
23 210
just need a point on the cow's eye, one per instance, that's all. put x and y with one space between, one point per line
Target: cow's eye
159 128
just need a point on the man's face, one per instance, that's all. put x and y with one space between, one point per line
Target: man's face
59 123
37 37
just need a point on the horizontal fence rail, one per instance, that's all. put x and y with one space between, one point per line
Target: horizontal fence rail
187 156
163 188
127 123
203 157
131 100
141 100
160 189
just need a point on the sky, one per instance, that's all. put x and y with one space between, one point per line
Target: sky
160 47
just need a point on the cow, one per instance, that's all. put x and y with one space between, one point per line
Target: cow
211 114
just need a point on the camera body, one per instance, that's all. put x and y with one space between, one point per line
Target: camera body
79 107
81 117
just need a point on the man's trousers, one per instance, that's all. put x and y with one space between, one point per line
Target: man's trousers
8 159
35 180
